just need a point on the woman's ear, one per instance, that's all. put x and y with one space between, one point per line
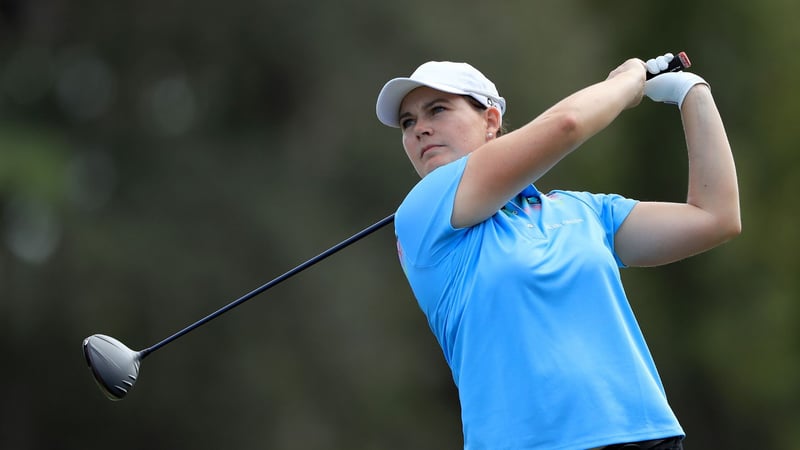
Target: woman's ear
494 121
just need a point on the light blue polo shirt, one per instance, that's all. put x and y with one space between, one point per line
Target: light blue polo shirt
530 312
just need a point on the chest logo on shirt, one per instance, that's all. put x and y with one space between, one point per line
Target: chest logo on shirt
563 223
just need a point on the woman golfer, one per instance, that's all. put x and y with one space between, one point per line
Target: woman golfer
522 288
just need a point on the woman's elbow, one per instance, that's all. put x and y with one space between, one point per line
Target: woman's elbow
735 228
568 123
568 126
729 227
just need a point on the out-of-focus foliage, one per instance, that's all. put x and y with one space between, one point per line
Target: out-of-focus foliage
160 159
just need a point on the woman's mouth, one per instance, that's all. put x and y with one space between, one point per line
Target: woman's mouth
428 147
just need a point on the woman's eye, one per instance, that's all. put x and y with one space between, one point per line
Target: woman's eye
406 123
437 109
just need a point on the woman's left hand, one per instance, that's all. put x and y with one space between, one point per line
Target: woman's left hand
636 70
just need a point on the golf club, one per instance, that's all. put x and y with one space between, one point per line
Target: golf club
115 367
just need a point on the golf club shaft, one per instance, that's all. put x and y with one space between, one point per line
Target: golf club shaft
361 234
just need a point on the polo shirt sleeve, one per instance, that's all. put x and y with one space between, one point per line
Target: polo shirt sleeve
425 234
612 210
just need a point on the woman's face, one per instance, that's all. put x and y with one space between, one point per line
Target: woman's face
439 128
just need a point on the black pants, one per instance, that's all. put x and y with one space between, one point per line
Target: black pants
673 443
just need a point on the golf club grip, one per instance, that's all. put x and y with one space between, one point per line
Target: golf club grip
679 62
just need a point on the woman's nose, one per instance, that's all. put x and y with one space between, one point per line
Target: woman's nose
422 128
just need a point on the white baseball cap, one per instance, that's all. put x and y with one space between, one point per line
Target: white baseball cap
452 77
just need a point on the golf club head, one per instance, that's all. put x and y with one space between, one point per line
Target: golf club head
115 367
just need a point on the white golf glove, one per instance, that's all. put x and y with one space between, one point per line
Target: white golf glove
670 87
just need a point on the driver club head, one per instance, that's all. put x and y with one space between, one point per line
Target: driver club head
115 367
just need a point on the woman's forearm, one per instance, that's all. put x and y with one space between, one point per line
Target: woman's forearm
713 186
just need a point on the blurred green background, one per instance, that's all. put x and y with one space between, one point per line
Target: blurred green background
160 159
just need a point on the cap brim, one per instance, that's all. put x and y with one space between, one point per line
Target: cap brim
391 96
